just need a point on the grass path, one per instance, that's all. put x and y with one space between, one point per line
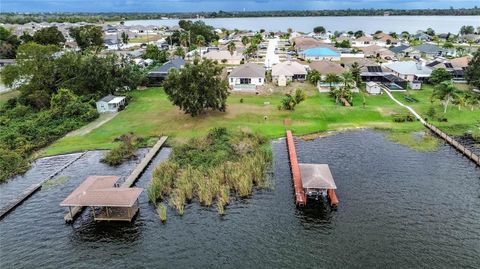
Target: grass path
102 119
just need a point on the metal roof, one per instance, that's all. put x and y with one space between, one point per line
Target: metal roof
100 191
316 176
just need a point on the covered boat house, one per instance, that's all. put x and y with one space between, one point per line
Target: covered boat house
107 201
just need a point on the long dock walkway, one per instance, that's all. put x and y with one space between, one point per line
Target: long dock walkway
33 188
462 149
70 216
300 198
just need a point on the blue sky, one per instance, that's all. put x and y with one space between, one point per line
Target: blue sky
215 5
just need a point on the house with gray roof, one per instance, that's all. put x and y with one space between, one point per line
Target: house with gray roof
410 70
405 51
247 77
156 76
431 50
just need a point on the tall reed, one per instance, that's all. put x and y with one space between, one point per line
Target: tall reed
162 212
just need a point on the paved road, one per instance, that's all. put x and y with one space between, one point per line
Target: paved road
271 57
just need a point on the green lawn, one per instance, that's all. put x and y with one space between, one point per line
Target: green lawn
151 114
4 97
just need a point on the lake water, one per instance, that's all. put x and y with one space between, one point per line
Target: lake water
441 24
399 208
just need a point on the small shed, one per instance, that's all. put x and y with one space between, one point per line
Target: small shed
373 88
415 85
110 103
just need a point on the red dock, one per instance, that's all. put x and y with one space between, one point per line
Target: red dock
300 198
316 178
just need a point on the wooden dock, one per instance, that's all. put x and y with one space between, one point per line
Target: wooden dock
462 149
70 216
32 189
468 153
300 198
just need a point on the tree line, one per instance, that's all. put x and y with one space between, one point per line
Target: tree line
22 18
58 89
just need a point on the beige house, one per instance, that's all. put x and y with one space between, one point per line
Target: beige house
284 72
224 57
375 51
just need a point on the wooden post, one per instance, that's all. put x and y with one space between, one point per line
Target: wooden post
93 209
70 210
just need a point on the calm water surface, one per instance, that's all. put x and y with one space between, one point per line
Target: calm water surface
441 24
398 209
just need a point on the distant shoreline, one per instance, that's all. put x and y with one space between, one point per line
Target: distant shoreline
100 17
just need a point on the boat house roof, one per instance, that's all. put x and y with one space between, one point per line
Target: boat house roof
316 176
101 191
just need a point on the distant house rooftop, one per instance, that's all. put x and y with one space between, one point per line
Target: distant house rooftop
162 71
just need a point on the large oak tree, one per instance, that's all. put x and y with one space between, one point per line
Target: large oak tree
197 87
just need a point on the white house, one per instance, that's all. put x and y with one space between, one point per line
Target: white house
110 103
410 70
247 77
373 88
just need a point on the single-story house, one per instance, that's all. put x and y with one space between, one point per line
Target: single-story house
422 36
431 50
247 77
363 41
410 70
385 40
375 51
110 103
373 88
158 75
458 72
224 56
320 53
325 68
303 43
405 51
376 73
284 72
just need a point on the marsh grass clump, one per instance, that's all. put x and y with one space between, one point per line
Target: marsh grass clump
163 177
211 168
54 182
125 150
162 212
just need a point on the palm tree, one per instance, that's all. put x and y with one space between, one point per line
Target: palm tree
231 47
472 100
184 39
200 40
347 80
331 79
446 92
245 40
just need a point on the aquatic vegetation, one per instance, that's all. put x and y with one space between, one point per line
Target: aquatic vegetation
124 151
54 182
211 168
162 212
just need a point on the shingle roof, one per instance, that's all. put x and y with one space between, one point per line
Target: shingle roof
327 67
428 48
249 70
163 69
399 49
288 69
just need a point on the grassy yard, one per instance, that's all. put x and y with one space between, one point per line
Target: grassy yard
5 96
151 114
144 38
